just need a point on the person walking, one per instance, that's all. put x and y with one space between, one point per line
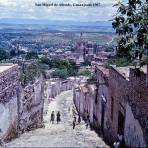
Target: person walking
58 117
74 122
87 121
74 119
69 109
1 139
79 119
52 117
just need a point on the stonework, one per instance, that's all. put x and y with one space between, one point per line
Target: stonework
133 131
31 106
120 105
54 87
9 89
21 109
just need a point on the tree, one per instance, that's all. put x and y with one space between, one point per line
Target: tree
85 73
3 55
31 55
131 25
60 73
87 63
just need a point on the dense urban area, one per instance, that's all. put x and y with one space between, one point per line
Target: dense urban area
77 89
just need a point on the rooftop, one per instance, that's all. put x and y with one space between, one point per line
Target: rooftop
124 71
84 88
104 70
4 67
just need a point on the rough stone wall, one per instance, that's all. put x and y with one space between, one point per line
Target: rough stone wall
103 99
9 89
31 106
118 89
84 100
78 97
102 91
133 133
138 100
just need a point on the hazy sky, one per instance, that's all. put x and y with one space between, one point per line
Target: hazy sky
26 9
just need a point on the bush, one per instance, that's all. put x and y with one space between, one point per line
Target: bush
3 55
69 66
85 73
118 62
31 55
60 73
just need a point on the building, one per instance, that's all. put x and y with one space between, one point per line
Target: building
85 48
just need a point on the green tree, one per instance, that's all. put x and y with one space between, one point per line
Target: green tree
60 73
31 55
3 55
85 73
131 25
87 63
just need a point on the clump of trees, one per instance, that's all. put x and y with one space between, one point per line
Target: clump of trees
3 54
85 73
31 55
63 68
131 25
60 73
86 63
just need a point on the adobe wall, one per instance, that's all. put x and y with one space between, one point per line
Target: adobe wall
9 92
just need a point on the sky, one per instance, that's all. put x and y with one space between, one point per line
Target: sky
26 9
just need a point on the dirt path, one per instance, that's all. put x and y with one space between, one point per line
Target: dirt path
60 135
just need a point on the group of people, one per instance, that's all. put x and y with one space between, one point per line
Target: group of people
58 117
79 119
75 120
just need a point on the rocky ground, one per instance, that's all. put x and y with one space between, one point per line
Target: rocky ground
62 134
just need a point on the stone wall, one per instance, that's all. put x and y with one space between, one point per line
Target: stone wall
83 97
55 86
133 133
31 106
9 92
122 96
118 89
138 101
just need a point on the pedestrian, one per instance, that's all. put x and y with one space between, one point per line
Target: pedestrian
1 139
73 112
79 119
58 117
69 109
74 124
87 121
74 119
52 117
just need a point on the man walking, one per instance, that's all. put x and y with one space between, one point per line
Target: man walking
79 119
58 117
52 117
1 140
